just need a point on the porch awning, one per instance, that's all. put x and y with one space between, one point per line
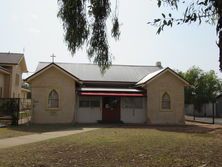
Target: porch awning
111 92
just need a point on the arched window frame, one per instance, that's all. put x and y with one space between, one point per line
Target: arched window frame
165 102
53 99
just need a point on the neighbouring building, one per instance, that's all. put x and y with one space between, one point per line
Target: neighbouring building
12 66
79 93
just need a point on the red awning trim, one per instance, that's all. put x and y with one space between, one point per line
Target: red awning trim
111 94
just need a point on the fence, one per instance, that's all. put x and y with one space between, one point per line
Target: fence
207 113
14 109
25 111
9 110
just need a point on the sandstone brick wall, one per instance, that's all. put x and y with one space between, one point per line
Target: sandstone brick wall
41 87
169 83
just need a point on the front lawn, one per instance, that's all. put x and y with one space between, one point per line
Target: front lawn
124 146
11 132
21 130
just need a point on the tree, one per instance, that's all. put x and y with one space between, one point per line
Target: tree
84 22
209 11
204 89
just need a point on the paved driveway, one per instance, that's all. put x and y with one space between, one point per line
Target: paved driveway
205 119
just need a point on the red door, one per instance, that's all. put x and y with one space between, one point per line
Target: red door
111 109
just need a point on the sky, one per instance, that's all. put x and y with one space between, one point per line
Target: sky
32 27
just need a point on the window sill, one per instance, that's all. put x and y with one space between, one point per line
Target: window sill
53 109
166 110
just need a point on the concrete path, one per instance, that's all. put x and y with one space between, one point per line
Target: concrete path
15 141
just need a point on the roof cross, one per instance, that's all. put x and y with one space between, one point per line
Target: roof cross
53 57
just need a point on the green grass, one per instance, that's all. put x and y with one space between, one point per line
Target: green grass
124 146
12 132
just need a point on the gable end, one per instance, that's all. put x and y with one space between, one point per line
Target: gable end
186 83
30 78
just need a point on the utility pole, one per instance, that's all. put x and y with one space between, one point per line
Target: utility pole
213 113
194 94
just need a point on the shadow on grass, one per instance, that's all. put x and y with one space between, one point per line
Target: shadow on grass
41 128
188 128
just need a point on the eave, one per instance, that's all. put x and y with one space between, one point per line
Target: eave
30 78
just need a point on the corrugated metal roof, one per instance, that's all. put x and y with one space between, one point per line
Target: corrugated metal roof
10 58
112 94
149 76
110 90
116 73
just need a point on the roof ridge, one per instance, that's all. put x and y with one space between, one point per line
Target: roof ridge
130 65
11 53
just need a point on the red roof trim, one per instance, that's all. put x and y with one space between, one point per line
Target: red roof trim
111 94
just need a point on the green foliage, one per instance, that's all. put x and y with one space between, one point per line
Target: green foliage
209 11
196 11
84 22
73 14
205 86
115 29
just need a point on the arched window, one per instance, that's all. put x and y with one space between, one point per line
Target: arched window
53 99
166 101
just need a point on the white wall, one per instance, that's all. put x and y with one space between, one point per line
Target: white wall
127 114
88 114
16 89
130 114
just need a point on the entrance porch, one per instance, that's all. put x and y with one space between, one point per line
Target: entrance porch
111 107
